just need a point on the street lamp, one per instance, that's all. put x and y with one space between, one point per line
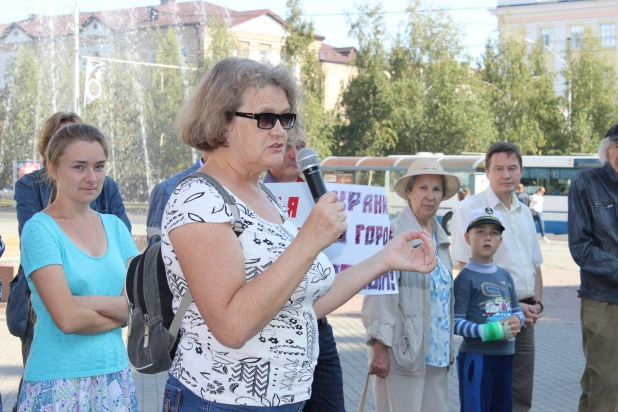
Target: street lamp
566 65
76 57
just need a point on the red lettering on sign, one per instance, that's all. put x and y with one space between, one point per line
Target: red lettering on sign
292 207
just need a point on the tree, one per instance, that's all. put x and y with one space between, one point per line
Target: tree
121 113
419 96
591 80
221 41
457 113
26 106
545 106
364 113
521 93
454 114
301 53
165 95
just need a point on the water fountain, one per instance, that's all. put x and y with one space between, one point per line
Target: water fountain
126 111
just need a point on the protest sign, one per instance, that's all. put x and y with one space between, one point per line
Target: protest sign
368 225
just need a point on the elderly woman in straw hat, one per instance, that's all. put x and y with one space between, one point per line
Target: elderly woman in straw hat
410 334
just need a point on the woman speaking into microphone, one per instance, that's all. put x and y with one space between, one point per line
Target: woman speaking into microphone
250 336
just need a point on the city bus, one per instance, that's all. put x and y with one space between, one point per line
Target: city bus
552 172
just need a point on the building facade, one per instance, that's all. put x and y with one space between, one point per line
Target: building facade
260 35
561 23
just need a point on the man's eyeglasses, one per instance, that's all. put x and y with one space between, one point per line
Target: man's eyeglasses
268 120
298 146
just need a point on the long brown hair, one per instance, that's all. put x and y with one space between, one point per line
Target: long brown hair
63 138
51 126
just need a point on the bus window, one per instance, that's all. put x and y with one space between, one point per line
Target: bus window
467 181
338 177
535 177
560 180
395 175
371 178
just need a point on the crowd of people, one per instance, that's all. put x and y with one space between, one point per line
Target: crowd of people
256 334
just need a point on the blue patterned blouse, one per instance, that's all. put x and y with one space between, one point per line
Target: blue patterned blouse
438 350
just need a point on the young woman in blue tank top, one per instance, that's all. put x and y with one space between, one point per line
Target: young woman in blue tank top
74 259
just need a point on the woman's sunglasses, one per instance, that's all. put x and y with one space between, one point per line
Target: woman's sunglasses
268 120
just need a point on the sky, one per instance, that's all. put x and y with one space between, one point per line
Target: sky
329 16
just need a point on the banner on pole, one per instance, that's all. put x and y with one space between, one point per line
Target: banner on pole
368 225
92 88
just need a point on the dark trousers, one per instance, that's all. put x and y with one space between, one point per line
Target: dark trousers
523 370
485 382
599 337
327 387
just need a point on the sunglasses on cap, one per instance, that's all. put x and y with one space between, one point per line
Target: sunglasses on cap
268 120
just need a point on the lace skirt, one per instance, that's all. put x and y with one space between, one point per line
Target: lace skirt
114 392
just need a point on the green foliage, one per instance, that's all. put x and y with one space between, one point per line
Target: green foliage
522 96
300 52
165 95
24 105
414 92
136 112
417 96
457 113
364 116
119 113
591 78
221 41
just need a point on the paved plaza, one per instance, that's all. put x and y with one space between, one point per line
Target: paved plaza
559 358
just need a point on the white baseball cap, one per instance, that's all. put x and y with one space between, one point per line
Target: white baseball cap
484 216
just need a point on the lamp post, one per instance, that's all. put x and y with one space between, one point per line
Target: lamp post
76 58
566 65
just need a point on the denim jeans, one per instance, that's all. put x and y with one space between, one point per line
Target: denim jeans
178 398
538 218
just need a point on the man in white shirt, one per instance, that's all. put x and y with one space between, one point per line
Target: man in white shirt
519 254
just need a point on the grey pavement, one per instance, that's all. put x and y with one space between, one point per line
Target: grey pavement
559 358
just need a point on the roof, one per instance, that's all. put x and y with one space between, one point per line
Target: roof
536 3
401 162
331 54
169 14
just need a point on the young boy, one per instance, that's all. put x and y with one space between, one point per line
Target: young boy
488 316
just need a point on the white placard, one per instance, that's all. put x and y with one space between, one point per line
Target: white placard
368 225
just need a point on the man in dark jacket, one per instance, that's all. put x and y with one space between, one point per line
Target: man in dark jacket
593 242
160 195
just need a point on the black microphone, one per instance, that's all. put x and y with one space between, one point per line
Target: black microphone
308 161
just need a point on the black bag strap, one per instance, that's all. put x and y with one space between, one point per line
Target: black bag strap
186 300
227 198
270 194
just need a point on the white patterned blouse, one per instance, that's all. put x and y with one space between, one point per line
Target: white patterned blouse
273 368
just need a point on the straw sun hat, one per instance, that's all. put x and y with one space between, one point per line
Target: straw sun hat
428 167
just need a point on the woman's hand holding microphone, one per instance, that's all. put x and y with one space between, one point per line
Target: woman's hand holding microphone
326 222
